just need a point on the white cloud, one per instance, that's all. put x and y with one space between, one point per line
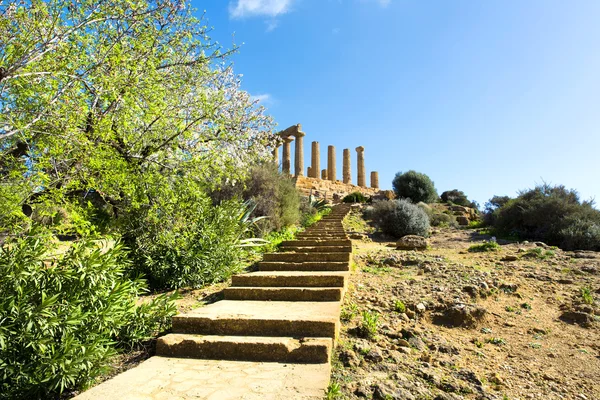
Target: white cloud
271 25
335 31
253 8
264 98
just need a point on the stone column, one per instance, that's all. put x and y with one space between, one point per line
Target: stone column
286 163
309 172
315 159
362 179
346 170
375 180
276 155
299 157
324 174
331 174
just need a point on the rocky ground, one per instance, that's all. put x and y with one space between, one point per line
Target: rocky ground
518 322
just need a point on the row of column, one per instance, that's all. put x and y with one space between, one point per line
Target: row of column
292 132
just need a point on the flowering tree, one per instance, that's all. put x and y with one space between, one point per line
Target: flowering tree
119 98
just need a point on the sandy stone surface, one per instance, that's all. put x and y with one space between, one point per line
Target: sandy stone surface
171 378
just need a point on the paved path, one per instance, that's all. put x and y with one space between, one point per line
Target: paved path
271 338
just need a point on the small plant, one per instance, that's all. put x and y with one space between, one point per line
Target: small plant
484 247
349 312
510 309
355 197
526 306
535 345
486 330
586 295
399 306
478 343
369 324
334 391
497 341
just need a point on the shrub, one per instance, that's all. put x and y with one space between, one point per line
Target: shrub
492 208
63 316
355 197
551 214
415 186
275 196
399 218
444 220
188 242
458 197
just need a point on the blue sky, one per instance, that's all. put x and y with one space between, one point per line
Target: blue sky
488 97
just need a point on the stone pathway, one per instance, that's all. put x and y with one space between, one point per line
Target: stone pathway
271 338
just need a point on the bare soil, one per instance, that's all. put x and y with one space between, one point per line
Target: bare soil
520 322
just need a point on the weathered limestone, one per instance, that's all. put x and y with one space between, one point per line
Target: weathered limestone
309 172
299 157
276 154
324 174
286 162
326 189
360 157
315 160
375 180
347 174
331 173
160 378
285 319
262 318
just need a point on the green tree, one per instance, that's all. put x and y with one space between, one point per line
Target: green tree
115 101
415 186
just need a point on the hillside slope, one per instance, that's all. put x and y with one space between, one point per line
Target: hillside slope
519 322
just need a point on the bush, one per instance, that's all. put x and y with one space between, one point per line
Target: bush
399 218
553 215
188 242
492 208
274 194
457 197
355 197
62 317
443 220
415 186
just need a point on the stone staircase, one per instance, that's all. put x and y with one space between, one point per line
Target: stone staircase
287 312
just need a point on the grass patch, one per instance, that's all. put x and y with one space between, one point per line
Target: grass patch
586 295
540 253
334 391
369 324
484 247
399 306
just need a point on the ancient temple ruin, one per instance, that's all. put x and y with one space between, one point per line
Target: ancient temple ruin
323 183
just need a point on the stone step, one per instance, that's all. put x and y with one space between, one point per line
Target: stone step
344 242
321 237
316 249
246 348
284 293
303 266
311 257
262 318
290 279
322 234
325 231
